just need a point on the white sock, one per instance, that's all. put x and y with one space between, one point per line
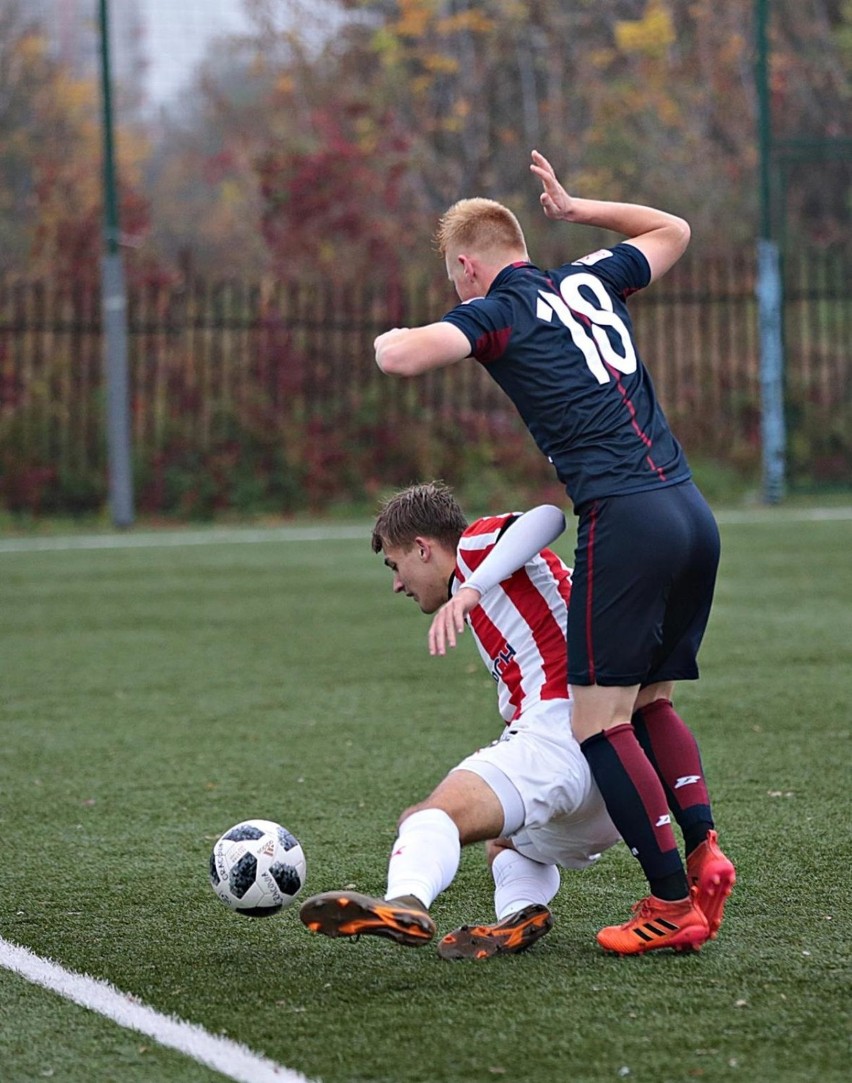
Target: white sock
519 881
425 856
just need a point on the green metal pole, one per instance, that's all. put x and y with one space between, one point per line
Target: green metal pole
110 188
764 118
114 307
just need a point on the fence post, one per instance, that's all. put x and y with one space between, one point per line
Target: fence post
769 289
773 436
114 303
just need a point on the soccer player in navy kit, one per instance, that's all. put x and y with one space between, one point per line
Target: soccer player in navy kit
560 344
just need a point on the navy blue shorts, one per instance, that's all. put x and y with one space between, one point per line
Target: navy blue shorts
644 574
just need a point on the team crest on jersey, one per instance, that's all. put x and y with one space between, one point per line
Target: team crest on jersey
593 257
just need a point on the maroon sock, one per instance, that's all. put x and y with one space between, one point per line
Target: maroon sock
636 802
671 747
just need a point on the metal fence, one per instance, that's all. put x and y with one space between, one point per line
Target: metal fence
213 362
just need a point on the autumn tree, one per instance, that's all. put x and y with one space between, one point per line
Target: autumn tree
201 177
288 156
331 135
336 174
633 99
50 155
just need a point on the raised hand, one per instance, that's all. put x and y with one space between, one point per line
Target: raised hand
555 201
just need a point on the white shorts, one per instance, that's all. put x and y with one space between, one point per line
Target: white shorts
553 810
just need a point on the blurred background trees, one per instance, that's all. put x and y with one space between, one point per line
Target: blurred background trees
330 135
282 165
50 153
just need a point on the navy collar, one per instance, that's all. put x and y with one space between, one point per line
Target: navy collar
502 275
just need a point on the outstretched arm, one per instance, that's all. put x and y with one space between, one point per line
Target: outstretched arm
660 236
528 535
408 351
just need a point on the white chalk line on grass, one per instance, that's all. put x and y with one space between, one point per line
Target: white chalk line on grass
241 536
227 1057
784 515
176 538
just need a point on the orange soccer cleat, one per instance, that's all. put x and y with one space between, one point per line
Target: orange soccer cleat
657 923
514 933
713 877
348 913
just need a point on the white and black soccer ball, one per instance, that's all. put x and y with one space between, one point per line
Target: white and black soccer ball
257 868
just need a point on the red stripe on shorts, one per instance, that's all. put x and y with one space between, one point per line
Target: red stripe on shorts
590 556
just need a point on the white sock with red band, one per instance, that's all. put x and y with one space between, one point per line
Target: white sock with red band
425 857
519 881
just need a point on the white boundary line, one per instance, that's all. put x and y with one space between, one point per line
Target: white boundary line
227 1057
784 515
178 538
246 536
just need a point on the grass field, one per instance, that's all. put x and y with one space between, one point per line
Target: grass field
154 695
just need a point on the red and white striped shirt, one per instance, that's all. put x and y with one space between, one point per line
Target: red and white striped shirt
519 625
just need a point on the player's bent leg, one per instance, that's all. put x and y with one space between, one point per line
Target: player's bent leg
637 802
425 856
351 914
423 862
513 934
469 801
519 881
651 692
598 707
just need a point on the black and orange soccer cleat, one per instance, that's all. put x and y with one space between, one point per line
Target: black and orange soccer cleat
514 933
713 876
348 913
657 923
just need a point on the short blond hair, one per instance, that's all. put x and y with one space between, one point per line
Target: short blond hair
480 225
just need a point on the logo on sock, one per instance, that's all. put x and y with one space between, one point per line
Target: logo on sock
663 820
686 780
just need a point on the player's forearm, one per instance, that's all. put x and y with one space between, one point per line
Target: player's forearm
392 353
408 351
628 219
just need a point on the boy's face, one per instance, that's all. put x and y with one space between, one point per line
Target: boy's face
417 574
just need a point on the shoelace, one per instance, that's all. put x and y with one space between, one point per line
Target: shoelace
642 908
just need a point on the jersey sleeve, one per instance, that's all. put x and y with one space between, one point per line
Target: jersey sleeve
477 542
623 268
487 324
530 533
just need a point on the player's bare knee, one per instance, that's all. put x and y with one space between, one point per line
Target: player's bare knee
403 816
422 806
653 692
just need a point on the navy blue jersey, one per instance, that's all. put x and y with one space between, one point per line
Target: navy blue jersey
560 344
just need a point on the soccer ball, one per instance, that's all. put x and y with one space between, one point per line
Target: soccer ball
257 868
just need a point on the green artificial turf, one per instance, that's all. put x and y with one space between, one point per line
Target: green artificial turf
152 697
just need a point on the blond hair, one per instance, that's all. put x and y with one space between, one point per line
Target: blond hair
480 225
429 510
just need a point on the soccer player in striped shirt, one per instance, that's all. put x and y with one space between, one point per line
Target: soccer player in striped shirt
530 794
560 344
